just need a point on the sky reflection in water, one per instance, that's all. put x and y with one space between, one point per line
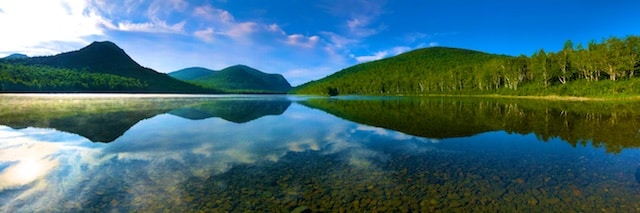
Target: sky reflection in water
156 162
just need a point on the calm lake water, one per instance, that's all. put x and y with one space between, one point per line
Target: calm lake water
310 154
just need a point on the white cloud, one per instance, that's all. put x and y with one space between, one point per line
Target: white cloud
205 35
158 8
377 56
213 14
359 27
400 49
303 41
294 39
381 54
57 20
276 29
339 41
433 44
225 24
240 31
157 26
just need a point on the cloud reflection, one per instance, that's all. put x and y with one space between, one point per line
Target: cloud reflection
34 157
155 157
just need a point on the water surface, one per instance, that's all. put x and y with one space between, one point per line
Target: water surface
283 153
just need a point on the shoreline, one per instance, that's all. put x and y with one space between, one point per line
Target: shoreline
494 96
532 97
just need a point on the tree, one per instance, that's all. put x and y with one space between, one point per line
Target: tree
612 59
540 65
563 59
632 54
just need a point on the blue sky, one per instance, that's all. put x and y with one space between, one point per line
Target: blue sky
303 39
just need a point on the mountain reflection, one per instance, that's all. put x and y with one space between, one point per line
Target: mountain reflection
613 125
154 162
234 110
104 119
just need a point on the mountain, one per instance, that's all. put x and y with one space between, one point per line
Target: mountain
98 67
235 79
605 69
412 72
191 73
16 56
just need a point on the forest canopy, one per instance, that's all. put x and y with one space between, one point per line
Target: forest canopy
16 77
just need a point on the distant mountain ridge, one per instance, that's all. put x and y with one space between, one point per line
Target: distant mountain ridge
234 79
98 67
191 73
16 56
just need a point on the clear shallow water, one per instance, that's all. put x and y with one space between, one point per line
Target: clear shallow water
276 153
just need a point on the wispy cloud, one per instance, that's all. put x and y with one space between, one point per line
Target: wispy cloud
382 54
224 22
205 35
377 56
160 8
400 49
210 13
360 27
275 28
359 22
303 41
158 26
339 41
240 31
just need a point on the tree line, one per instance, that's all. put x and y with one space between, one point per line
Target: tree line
17 77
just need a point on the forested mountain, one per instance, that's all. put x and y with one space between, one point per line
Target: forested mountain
191 73
597 69
16 56
234 79
98 67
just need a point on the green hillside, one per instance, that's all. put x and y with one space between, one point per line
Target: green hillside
235 79
191 73
98 67
418 71
608 68
16 56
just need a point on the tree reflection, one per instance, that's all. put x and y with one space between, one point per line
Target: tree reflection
612 125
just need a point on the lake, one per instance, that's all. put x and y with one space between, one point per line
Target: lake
176 153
